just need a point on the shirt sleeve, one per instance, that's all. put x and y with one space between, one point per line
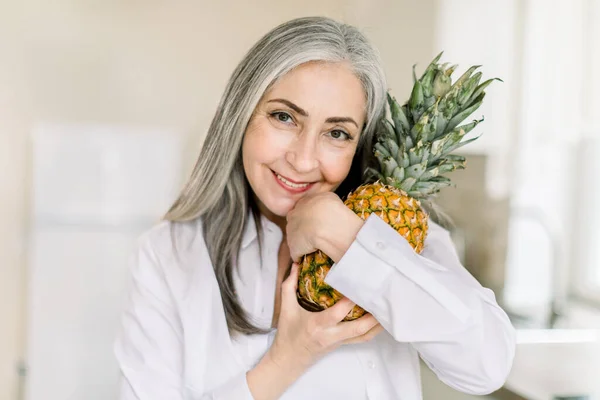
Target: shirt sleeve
149 348
431 301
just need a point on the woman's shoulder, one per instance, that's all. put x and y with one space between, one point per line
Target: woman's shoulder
172 259
170 239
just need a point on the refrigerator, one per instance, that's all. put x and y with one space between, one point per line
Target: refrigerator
95 189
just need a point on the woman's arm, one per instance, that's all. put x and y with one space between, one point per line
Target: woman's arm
428 300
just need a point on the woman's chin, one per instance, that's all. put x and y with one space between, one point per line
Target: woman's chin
279 208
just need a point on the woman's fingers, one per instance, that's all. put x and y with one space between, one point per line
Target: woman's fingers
338 311
309 335
374 331
353 329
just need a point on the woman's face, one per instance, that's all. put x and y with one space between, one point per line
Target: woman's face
303 135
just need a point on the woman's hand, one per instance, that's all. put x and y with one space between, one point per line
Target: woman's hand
321 221
302 338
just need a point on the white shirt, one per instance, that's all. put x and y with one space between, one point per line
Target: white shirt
175 345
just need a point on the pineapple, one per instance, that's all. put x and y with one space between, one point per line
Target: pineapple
412 149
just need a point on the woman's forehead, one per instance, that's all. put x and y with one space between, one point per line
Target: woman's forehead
324 86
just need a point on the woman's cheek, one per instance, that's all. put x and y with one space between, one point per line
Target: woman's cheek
279 141
336 167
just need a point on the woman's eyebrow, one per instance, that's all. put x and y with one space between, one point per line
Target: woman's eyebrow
303 112
335 120
290 105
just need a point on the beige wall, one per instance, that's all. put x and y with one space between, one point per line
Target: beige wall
141 62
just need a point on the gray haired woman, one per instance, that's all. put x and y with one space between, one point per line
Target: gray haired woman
213 311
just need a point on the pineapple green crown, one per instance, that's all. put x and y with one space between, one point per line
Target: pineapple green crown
414 141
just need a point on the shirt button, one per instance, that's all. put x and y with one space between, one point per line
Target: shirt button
380 245
371 365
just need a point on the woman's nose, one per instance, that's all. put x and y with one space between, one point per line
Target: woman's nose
302 155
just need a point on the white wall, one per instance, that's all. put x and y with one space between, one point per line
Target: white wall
150 63
487 33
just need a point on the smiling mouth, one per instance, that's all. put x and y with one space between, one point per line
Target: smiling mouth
291 184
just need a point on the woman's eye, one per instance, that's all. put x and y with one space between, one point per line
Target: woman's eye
337 134
282 116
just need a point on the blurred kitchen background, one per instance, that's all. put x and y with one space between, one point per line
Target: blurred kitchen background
104 106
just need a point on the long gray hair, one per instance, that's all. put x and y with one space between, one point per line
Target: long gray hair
218 191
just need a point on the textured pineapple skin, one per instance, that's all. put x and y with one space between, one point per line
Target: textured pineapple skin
396 208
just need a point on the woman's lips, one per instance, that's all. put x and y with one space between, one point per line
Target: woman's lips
294 187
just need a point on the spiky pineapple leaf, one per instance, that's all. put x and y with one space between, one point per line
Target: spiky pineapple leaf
416 139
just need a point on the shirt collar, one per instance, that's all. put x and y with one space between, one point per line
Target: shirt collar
250 232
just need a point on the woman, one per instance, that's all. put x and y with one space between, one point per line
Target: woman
212 314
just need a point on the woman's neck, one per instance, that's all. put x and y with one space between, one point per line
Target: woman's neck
278 220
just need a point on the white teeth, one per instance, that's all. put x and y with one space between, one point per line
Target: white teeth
291 184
